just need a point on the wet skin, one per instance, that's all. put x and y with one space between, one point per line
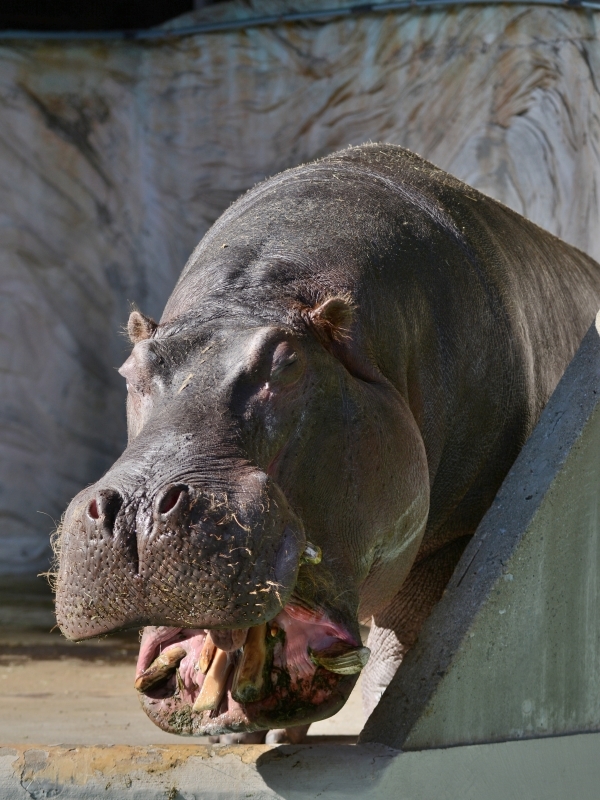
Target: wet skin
344 373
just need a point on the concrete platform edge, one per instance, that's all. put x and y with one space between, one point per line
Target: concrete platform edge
550 768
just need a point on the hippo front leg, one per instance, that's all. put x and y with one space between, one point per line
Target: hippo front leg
395 629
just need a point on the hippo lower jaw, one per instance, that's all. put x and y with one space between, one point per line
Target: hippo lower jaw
298 668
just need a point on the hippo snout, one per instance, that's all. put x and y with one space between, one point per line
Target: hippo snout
176 554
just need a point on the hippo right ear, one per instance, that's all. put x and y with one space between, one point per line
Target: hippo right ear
333 318
335 323
140 327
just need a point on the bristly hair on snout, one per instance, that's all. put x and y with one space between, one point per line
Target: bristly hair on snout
51 574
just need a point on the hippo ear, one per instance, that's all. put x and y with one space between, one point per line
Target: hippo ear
335 323
140 327
333 318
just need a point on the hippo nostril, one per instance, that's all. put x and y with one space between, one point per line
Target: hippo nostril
105 506
170 499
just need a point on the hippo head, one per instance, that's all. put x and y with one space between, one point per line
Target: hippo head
258 511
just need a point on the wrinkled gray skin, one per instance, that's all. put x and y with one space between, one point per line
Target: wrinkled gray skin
354 355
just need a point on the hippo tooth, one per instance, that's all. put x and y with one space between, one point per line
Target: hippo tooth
207 654
215 682
160 669
312 554
249 681
345 659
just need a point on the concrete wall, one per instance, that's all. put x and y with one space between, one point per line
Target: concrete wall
115 159
512 650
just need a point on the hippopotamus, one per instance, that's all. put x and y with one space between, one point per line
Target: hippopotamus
344 373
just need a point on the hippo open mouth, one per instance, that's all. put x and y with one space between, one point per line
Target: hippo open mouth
299 666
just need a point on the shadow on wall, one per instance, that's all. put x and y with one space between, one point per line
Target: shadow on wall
116 158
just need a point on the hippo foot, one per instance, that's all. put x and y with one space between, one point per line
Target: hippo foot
295 735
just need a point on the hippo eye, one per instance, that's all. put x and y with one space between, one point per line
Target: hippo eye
285 364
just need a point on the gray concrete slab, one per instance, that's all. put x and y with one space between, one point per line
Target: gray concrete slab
512 650
552 769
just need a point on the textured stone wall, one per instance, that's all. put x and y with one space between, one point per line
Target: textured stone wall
115 159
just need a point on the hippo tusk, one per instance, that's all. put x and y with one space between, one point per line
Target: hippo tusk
160 669
215 683
342 658
249 681
207 654
312 554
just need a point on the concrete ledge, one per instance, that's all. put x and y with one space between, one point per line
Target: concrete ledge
552 768
512 650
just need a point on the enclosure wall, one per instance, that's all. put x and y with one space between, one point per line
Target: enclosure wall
116 158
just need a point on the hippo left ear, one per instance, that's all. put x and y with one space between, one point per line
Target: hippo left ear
335 323
140 327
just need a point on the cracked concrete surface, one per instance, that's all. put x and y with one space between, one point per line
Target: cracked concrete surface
544 768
